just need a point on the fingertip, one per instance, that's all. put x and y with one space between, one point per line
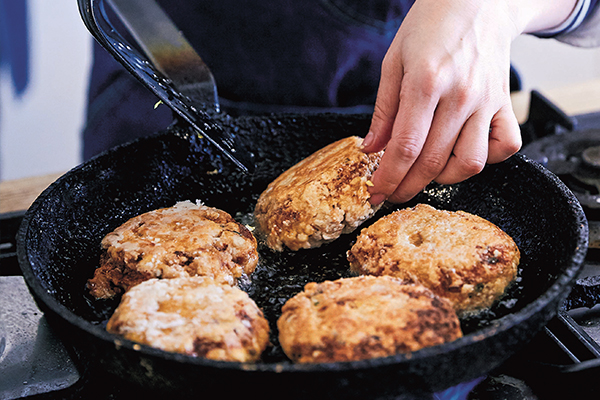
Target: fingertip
374 142
377 199
368 140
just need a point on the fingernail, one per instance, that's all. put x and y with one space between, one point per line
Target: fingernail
368 140
377 199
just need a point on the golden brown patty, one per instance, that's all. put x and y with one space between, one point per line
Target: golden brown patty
319 198
363 317
194 316
184 240
458 255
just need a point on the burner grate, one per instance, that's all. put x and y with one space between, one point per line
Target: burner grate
9 225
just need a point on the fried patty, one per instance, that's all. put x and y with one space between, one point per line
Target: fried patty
319 198
457 255
195 316
184 240
363 317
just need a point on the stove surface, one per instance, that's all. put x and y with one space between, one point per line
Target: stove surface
32 359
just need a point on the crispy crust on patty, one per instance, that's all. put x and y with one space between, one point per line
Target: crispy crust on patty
319 198
184 240
457 255
363 317
194 316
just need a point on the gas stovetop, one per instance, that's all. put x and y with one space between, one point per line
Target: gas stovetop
563 361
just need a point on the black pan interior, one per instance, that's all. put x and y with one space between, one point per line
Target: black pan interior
59 239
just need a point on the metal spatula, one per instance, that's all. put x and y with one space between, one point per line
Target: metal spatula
173 70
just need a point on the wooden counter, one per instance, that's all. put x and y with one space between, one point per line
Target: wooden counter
582 98
18 194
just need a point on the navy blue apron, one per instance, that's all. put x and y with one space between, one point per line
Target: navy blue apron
266 56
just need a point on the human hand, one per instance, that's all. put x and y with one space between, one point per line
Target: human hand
443 108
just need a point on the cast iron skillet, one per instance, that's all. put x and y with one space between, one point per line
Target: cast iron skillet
59 241
58 248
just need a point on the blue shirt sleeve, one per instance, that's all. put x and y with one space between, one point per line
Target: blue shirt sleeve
583 9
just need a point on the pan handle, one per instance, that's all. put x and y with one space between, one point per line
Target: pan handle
93 14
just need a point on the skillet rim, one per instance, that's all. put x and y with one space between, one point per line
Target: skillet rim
562 284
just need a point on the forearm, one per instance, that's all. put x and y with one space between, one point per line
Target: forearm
576 22
539 15
587 32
